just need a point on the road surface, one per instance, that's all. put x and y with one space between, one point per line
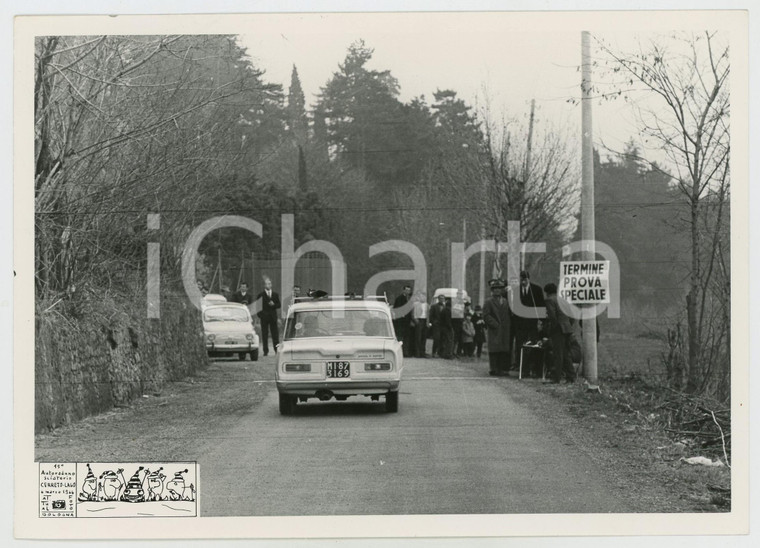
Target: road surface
460 443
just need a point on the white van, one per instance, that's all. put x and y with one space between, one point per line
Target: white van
450 293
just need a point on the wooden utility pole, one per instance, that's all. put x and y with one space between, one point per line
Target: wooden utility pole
242 267
588 232
219 266
526 167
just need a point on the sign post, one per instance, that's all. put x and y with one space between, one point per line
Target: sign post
587 200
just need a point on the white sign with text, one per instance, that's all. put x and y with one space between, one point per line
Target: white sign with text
584 282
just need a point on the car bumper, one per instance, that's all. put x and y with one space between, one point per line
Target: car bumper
301 388
242 347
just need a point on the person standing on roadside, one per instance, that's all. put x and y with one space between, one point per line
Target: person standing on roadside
296 294
526 329
270 303
457 318
446 342
468 336
242 295
560 332
420 324
480 329
402 313
496 315
435 315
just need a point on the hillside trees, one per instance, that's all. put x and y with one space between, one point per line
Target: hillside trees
125 126
635 210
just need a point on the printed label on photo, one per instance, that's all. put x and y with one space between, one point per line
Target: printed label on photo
107 490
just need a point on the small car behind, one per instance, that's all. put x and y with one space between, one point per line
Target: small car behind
228 330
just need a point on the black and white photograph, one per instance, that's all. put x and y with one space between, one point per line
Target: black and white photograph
381 274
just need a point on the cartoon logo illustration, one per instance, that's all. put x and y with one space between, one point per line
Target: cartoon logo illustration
156 485
176 486
89 486
146 492
134 491
110 484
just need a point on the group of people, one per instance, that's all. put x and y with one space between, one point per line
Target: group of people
455 328
459 330
553 334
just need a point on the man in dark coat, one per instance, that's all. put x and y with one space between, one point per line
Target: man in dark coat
435 315
496 314
445 332
242 295
270 304
420 320
526 329
560 332
403 319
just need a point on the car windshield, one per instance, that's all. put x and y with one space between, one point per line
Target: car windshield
343 323
225 314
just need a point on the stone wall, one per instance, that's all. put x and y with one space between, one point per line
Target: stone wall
111 355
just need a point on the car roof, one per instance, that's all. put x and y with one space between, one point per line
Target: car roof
448 292
353 304
217 305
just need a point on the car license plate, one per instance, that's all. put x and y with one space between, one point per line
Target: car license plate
338 370
231 342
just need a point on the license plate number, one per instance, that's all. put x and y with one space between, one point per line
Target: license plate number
338 370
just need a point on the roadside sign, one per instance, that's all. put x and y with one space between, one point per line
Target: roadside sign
584 282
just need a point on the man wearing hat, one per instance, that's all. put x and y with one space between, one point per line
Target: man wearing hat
525 329
496 314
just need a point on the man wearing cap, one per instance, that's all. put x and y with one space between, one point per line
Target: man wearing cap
496 314
525 329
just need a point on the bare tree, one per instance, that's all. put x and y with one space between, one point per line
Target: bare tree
495 179
684 112
534 180
130 125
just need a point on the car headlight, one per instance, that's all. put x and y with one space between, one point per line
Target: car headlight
249 336
377 366
211 337
297 367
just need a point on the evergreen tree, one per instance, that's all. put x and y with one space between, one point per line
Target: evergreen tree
452 115
296 109
363 115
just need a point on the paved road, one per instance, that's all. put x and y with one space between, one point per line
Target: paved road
460 443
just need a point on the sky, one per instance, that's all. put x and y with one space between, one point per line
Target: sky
491 61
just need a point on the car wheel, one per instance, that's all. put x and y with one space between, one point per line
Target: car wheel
287 404
391 402
255 355
241 356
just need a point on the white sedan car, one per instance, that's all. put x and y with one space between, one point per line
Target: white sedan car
336 348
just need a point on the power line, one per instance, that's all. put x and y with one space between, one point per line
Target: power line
362 209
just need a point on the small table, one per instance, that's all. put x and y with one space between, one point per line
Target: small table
535 345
